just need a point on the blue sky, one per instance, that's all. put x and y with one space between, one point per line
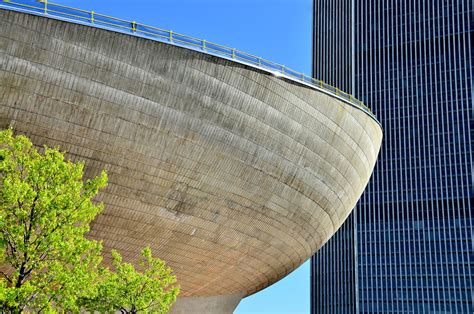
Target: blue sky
277 30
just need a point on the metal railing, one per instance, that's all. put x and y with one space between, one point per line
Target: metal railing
49 9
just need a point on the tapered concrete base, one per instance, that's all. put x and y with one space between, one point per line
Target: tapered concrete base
221 304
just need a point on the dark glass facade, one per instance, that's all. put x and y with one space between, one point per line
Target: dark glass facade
408 246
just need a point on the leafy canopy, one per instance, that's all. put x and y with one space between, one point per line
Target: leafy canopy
45 210
46 263
152 290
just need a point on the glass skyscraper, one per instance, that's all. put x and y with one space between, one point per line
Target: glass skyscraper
408 245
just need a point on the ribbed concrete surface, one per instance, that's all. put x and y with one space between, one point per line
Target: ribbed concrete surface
233 176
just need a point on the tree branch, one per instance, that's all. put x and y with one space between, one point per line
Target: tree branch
6 277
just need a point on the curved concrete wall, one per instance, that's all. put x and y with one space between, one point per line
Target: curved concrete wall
233 176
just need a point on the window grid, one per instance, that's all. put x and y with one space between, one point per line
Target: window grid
407 247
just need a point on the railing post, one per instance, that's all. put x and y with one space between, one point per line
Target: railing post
259 61
233 53
283 69
92 17
134 26
204 44
45 6
171 35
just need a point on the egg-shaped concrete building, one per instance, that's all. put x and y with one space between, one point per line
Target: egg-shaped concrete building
233 176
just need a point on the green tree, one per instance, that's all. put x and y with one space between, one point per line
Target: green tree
45 210
46 263
151 290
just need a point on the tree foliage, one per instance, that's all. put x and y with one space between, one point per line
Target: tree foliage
45 210
46 263
128 290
